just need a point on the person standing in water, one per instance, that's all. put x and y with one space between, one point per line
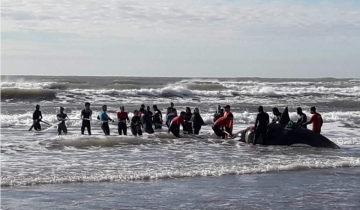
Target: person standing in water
170 117
316 120
221 123
122 118
136 124
104 118
142 107
174 127
261 122
61 117
231 121
219 113
187 121
277 115
86 114
170 109
146 120
157 118
37 117
303 117
196 121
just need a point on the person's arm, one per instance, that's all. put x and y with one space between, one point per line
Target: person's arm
322 122
40 116
256 121
82 114
309 122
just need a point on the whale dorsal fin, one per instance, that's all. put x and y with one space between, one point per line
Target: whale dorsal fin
285 118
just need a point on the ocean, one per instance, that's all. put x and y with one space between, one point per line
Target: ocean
41 170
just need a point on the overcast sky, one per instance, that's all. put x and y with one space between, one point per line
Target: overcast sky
261 38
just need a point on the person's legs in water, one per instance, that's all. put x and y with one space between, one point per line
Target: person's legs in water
218 131
37 125
82 128
105 128
139 131
124 128
134 130
175 131
88 128
196 131
120 128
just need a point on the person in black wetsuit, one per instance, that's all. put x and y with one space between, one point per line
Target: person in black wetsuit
136 124
37 117
303 118
62 118
219 113
277 115
187 121
146 120
157 118
261 122
170 109
197 121
86 117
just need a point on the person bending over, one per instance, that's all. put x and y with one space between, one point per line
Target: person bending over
221 123
174 127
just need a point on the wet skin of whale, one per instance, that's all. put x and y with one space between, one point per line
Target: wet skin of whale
278 135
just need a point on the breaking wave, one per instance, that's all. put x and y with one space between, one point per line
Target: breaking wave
171 174
27 94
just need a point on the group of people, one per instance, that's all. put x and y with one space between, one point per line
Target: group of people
191 122
262 121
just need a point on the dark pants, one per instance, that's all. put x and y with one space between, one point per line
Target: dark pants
37 125
122 128
188 128
149 129
197 130
136 130
85 124
219 131
260 132
158 125
175 130
62 127
105 128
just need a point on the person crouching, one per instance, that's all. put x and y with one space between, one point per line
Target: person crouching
220 124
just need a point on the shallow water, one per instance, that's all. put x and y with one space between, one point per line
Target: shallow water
46 163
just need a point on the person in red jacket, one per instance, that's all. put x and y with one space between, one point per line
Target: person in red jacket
316 120
231 122
174 127
221 123
122 118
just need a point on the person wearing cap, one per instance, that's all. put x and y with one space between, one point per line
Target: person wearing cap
230 122
122 118
174 127
61 117
221 124
104 118
316 120
86 114
303 117
157 118
187 121
261 122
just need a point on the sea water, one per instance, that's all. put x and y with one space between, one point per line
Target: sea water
40 170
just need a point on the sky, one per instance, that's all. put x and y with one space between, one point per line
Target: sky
200 38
